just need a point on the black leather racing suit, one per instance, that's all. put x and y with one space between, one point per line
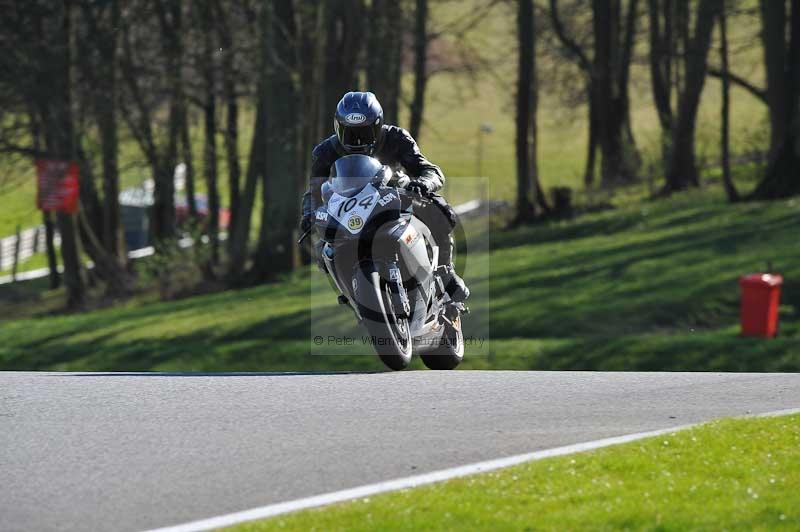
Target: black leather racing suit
397 149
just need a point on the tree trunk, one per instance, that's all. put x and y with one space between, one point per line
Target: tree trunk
588 173
70 257
210 122
108 266
52 261
610 77
727 180
62 146
783 173
256 166
240 237
660 56
582 60
420 64
394 70
526 114
316 121
275 252
384 60
682 169
171 21
773 36
231 134
102 23
344 39
188 161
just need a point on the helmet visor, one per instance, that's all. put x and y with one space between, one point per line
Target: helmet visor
357 137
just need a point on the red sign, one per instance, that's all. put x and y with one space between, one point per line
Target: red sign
58 186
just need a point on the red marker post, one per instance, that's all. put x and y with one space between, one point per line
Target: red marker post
761 295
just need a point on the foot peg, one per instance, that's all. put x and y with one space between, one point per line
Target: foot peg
343 299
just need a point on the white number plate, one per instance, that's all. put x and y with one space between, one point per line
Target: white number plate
353 212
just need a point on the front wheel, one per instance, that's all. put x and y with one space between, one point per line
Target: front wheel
390 335
450 352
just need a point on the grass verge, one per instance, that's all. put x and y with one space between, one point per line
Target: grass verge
735 474
646 286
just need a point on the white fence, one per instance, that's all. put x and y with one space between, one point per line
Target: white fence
31 241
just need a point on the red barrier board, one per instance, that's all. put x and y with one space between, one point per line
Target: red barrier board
58 186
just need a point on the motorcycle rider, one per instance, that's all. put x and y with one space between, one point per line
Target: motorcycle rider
359 129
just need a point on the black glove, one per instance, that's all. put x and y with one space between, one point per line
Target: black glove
419 186
308 221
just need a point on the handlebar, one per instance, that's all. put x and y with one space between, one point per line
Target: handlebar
397 178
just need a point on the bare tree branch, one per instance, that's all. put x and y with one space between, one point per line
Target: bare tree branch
572 46
758 92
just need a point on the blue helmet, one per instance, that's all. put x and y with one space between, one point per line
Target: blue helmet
358 122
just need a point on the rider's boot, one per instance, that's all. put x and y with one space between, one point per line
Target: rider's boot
454 285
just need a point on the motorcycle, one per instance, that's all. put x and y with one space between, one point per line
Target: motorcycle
383 261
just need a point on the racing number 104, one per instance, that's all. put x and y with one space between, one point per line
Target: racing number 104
348 205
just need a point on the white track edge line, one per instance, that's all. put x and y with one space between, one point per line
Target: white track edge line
414 481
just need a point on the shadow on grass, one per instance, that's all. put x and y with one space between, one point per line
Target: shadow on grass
675 283
652 288
280 343
718 351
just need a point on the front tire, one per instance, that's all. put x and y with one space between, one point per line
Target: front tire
450 353
391 336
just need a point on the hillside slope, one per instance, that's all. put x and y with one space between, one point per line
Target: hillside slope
646 286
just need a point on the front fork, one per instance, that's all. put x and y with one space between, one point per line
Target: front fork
400 302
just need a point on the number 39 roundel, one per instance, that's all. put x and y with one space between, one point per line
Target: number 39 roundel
353 212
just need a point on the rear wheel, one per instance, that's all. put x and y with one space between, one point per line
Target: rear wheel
450 352
390 335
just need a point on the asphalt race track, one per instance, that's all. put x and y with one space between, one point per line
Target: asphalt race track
136 451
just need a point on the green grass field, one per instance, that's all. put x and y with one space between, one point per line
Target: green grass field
726 475
645 286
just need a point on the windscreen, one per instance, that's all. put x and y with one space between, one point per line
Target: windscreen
353 173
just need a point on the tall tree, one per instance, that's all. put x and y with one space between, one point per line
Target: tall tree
420 65
95 87
682 167
38 63
316 122
782 178
99 44
529 193
611 71
773 37
607 73
384 61
577 53
727 180
661 56
256 168
63 146
187 154
153 73
257 161
207 18
344 38
231 97
280 190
